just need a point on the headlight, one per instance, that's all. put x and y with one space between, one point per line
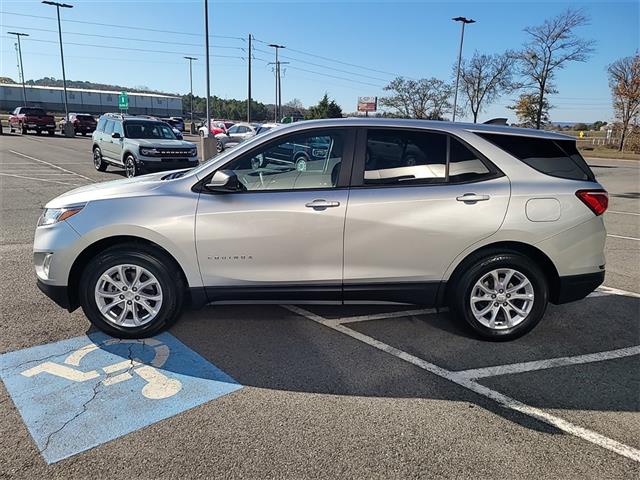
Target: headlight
54 215
193 152
148 151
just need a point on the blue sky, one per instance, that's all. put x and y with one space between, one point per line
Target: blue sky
413 39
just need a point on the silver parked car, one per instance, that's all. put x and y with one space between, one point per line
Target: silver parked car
140 145
236 134
492 221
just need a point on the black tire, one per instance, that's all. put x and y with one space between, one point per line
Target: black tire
219 146
130 168
156 262
52 132
301 162
462 285
24 130
98 162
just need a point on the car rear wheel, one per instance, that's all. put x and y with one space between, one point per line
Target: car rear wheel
219 146
130 167
52 132
501 296
301 163
24 130
98 162
131 291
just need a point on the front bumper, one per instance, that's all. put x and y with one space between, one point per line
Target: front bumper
57 293
576 287
163 164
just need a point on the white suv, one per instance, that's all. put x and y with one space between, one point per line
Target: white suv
492 221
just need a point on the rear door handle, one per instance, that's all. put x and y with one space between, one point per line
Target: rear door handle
472 198
320 204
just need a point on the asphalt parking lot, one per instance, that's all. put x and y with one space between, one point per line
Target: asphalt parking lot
311 391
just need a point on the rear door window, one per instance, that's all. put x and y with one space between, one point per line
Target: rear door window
108 128
397 156
557 158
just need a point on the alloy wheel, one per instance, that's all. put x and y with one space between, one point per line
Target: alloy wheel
502 298
128 295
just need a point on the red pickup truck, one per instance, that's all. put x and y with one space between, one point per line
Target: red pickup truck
32 118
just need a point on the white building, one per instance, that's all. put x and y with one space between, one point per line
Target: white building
82 100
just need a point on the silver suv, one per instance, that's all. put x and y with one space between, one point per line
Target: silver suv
139 145
491 221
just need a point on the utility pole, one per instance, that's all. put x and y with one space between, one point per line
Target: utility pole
206 50
249 81
68 126
280 87
191 59
24 89
455 95
277 71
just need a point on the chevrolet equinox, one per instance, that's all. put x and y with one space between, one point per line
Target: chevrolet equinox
492 221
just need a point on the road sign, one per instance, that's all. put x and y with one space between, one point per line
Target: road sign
367 104
123 101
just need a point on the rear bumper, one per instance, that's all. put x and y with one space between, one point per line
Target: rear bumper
576 287
58 293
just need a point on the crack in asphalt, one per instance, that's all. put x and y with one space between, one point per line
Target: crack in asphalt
53 355
85 405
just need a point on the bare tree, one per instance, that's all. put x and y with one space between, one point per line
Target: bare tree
427 98
549 48
485 78
624 80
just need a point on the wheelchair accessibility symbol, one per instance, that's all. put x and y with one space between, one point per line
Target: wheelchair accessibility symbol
157 385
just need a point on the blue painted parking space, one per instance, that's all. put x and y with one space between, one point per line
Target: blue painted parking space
78 393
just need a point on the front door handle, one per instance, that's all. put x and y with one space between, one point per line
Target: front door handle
320 204
472 198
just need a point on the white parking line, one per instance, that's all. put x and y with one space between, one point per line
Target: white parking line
504 400
51 165
623 213
623 237
604 290
39 179
497 370
384 316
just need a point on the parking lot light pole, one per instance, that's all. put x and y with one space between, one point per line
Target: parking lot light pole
68 126
191 59
24 89
277 69
455 95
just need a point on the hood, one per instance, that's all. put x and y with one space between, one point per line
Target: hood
128 187
152 142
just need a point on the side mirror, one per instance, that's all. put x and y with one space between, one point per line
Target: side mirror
179 136
115 135
223 181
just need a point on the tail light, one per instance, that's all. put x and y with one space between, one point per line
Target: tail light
596 200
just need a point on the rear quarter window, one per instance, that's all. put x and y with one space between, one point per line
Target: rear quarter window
557 158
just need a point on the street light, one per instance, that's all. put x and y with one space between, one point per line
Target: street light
68 127
277 64
455 95
191 59
24 89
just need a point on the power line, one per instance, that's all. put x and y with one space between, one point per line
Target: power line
127 27
122 38
122 48
336 61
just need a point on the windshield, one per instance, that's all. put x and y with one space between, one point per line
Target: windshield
153 130
222 156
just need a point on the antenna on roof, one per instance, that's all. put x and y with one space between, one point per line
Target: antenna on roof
496 121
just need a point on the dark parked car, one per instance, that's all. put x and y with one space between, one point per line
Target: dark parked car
83 123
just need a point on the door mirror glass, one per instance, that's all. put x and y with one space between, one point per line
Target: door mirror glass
115 135
223 181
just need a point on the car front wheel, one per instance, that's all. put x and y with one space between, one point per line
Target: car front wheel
130 167
131 291
98 162
501 296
